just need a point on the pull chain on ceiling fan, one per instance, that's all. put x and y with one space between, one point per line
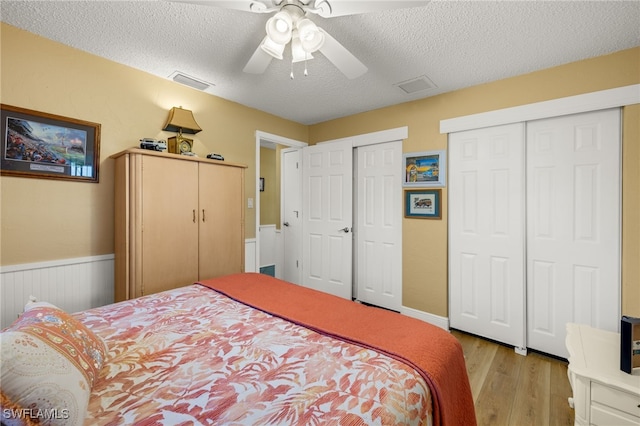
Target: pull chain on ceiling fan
291 25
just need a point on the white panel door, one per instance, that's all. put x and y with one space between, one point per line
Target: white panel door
379 225
573 230
486 233
327 220
291 178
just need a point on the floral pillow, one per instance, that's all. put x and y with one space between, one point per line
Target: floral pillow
49 363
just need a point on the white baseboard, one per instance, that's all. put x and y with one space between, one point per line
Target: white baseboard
442 322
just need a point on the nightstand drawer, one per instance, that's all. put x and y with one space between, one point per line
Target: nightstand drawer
622 401
604 416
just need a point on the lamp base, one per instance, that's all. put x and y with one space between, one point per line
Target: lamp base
179 144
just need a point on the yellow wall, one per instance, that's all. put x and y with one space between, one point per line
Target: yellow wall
270 199
425 265
46 220
269 203
631 211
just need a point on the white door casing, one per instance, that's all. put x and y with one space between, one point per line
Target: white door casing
378 231
327 219
573 228
291 179
486 232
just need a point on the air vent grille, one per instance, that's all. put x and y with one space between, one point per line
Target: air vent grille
417 84
182 78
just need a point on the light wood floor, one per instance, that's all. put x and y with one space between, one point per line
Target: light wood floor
511 389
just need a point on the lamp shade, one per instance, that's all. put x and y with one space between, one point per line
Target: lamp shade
311 37
279 27
181 121
298 54
272 48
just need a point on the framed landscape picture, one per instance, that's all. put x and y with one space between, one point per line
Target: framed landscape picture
424 169
41 145
422 203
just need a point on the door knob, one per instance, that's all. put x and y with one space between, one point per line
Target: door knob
286 224
345 229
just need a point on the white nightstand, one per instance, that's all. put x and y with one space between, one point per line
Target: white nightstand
602 394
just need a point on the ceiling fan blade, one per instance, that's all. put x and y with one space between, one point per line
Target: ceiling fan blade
244 5
354 7
258 62
341 57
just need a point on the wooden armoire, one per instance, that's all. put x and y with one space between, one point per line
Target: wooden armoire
178 219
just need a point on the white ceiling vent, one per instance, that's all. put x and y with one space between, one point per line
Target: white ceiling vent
417 84
187 80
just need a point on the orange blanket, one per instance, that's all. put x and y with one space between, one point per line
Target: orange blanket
430 350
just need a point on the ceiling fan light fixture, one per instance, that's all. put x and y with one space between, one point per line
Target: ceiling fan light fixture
291 24
311 38
279 27
272 48
298 54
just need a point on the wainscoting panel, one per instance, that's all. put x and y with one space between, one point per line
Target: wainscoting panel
71 284
267 245
250 255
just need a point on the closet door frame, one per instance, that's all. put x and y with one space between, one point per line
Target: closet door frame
594 101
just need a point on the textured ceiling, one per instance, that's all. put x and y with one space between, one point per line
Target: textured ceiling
455 44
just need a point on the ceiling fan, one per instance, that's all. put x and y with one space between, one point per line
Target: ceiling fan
291 25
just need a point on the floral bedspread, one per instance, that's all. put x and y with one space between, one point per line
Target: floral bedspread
195 357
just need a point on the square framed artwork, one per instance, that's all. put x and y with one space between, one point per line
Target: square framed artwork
424 169
42 145
422 203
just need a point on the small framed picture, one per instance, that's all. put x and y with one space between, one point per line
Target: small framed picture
424 169
261 184
422 203
36 144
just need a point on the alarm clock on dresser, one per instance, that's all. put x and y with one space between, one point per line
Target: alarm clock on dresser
180 145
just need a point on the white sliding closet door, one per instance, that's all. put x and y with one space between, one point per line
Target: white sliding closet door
551 245
486 232
573 229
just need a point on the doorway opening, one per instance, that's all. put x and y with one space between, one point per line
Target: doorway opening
266 233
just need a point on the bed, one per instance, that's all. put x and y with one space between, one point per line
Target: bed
244 349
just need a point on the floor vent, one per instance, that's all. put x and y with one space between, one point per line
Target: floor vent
268 270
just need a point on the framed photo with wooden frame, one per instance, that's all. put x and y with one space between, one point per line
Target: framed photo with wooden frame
42 145
424 169
422 203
